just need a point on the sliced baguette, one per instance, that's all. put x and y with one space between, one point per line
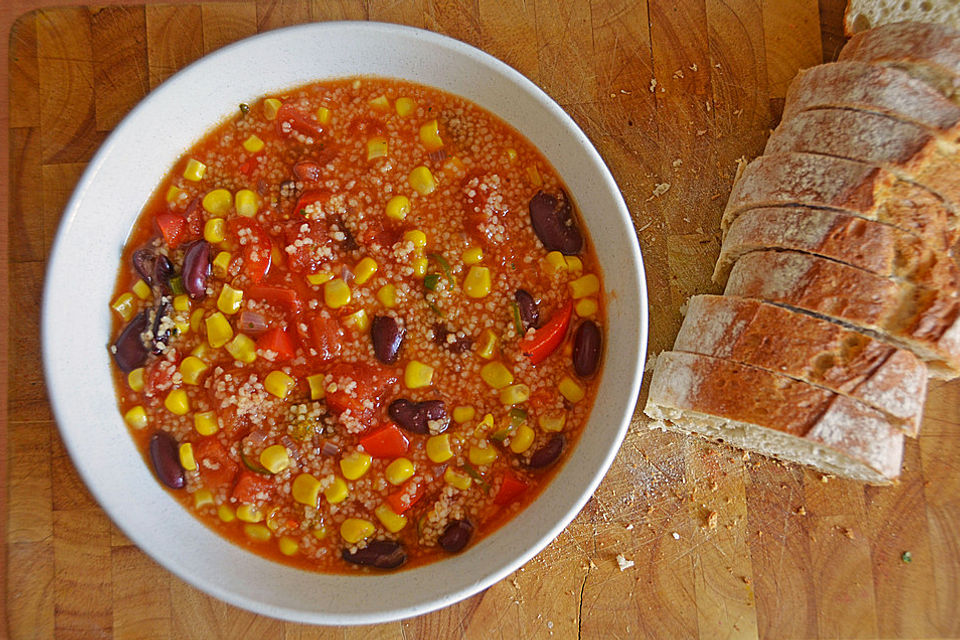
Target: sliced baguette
861 15
808 348
824 181
924 321
773 415
874 246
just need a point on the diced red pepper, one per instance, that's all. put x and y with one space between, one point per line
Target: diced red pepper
158 376
360 389
547 338
214 463
279 296
388 442
279 341
327 336
406 496
247 167
172 226
290 119
257 253
252 487
510 490
307 198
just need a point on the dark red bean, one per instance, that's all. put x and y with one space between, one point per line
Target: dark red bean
160 337
382 554
162 272
144 260
548 453
165 456
307 170
529 311
196 269
387 335
128 350
456 536
586 348
553 222
415 416
460 344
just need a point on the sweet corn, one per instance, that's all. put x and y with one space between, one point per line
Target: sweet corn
288 546
482 456
387 295
219 331
202 498
318 386
473 255
320 278
364 270
487 345
135 379
225 513
194 170
182 327
336 293
419 265
554 262
142 289
217 202
181 303
422 181
177 402
438 448
399 471
586 307
242 348
306 489
257 532
511 154
278 384
417 237
584 286
320 532
323 115
173 193
253 144
417 375
380 103
359 320
456 479
496 374
270 108
274 458
398 207
533 175
463 414
477 283
206 423
187 461
483 426
202 351
136 417
552 423
376 148
355 464
522 439
430 135
391 521
336 492
124 306
404 106
249 513
353 530
515 394
221 263
247 203
230 300
192 369
574 264
570 390
214 231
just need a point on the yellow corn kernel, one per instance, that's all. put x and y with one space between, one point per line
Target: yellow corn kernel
511 154
584 286
570 390
194 170
323 115
430 135
404 106
182 327
554 262
515 394
274 458
177 402
419 265
225 513
533 175
398 207
364 270
399 471
142 289
552 423
487 345
320 278
187 461
249 513
318 386
181 303
202 351
124 306
380 103
417 237
270 108
417 375
320 532
230 300
422 181
135 379
214 231
136 417
463 414
456 479
192 369
377 147
355 464
484 425
391 521
278 383
522 439
353 530
387 295
336 492
202 498
253 144
586 307
217 202
359 320
173 193
482 456
288 546
477 283
221 264
438 448
257 532
219 331
574 264
247 203
206 423
306 489
242 348
496 374
473 255
336 293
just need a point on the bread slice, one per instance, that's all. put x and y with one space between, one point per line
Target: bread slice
905 149
873 246
773 415
808 348
824 181
922 320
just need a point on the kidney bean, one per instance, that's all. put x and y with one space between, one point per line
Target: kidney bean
456 536
382 554
529 312
144 260
460 344
415 416
162 272
128 350
553 222
387 335
196 269
586 348
160 337
548 453
165 456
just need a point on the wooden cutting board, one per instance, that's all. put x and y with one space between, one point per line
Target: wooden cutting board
723 545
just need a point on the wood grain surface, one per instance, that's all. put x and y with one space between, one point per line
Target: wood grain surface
725 545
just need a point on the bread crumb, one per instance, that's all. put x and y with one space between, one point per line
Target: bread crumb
676 536
677 162
693 67
712 519
653 85
746 580
660 189
623 563
801 511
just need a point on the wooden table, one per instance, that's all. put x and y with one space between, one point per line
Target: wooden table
791 555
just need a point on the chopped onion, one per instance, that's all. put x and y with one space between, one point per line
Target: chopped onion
329 449
252 323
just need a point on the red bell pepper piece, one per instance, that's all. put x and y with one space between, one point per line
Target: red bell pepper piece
214 463
406 496
280 296
388 442
278 341
252 487
257 253
510 490
314 196
327 336
172 226
547 338
290 119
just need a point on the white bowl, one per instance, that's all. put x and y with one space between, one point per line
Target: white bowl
86 255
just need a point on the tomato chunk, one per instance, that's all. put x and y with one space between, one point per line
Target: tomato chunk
510 490
406 496
252 487
290 119
547 338
173 226
214 463
360 389
327 336
257 248
279 341
388 442
279 296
